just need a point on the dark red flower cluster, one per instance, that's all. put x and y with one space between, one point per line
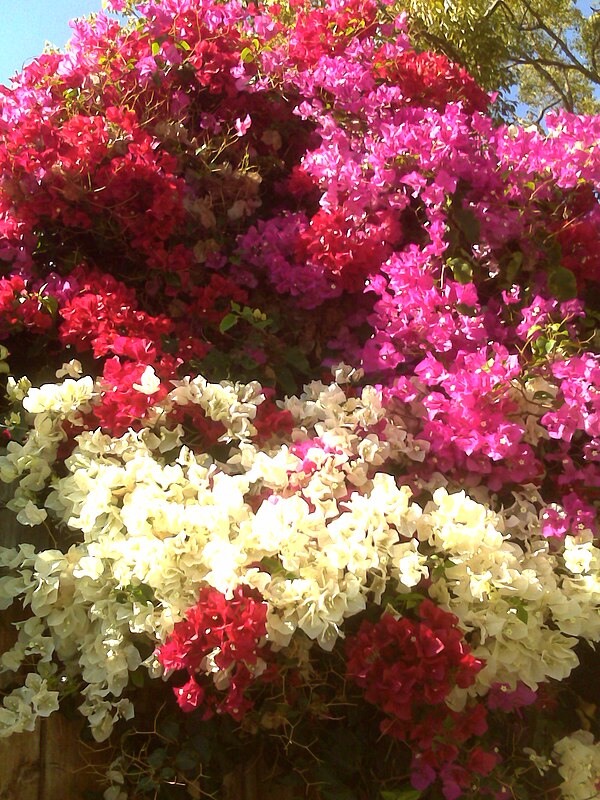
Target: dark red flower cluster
213 301
346 252
105 318
441 749
21 308
578 240
270 420
406 665
407 669
432 80
227 634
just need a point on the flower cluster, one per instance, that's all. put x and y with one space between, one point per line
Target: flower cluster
406 665
579 765
222 636
207 209
229 566
408 669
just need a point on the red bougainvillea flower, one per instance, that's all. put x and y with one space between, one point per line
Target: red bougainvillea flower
224 637
407 669
430 79
22 308
404 664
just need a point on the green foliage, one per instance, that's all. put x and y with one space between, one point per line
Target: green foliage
549 50
401 794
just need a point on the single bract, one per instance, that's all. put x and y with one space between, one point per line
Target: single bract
303 381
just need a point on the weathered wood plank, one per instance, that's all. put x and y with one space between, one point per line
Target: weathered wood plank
20 774
69 768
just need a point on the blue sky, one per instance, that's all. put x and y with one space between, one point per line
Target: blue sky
26 25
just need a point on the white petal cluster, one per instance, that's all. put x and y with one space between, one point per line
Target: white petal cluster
24 706
29 464
521 603
316 521
578 758
234 405
60 398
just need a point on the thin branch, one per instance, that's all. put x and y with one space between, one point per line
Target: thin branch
545 110
592 76
444 46
565 98
548 62
493 8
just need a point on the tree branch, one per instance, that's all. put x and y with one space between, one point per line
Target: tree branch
566 99
493 8
545 110
562 45
548 62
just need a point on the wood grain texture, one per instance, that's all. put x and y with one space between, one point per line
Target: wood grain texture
20 767
69 768
20 755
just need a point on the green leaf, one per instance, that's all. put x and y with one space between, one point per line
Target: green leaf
50 303
172 278
286 380
138 677
202 745
228 321
142 592
401 794
553 253
562 283
522 613
468 224
405 601
146 784
466 310
514 265
273 566
247 55
296 358
184 45
169 729
155 48
168 773
157 757
518 606
170 344
187 760
461 269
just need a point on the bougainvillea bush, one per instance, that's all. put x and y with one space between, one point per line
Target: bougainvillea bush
302 386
